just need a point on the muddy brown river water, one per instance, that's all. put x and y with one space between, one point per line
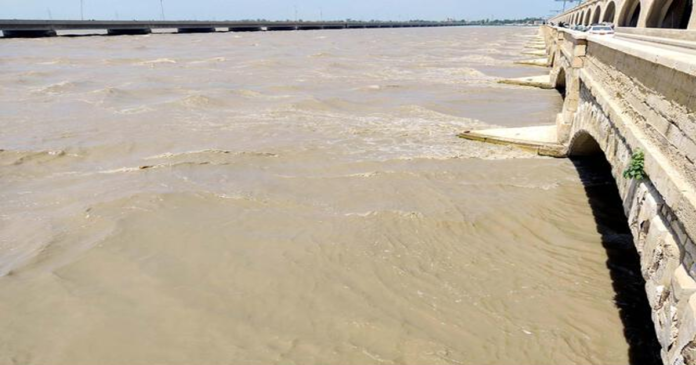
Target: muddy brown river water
290 198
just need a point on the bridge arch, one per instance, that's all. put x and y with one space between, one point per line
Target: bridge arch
561 82
609 13
588 17
596 17
630 13
583 144
673 14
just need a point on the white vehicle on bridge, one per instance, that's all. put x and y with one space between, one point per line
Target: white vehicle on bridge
601 30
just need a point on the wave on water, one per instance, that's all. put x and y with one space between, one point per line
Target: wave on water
209 60
398 214
58 61
198 101
159 61
216 157
114 95
55 89
122 61
331 104
9 158
210 152
321 55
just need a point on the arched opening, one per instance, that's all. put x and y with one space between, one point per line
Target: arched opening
584 145
672 14
630 14
609 13
597 14
588 18
622 259
561 82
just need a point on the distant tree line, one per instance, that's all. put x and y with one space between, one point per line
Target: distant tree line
469 22
503 21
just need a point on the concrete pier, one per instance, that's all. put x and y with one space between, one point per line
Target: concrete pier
309 27
281 28
245 29
28 33
130 31
196 30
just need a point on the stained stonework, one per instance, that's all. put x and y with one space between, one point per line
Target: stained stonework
627 101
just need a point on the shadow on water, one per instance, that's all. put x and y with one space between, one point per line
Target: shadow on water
623 260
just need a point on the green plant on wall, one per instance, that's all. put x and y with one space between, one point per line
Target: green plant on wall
636 169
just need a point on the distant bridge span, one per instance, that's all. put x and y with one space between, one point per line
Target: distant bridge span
44 28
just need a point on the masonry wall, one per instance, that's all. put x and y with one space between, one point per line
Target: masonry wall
627 101
667 255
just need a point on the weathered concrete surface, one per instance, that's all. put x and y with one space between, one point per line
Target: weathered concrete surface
539 139
542 82
540 53
541 62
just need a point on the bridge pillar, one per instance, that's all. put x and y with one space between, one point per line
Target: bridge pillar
245 29
275 28
137 31
196 30
28 33
567 59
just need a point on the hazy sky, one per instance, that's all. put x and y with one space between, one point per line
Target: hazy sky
276 9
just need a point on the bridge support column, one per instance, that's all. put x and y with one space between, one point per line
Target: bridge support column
140 31
280 28
245 29
28 33
567 58
197 30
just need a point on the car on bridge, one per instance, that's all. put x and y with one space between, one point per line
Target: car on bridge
601 30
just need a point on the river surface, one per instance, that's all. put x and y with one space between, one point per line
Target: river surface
290 198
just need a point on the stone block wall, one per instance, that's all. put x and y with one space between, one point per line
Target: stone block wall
629 100
667 253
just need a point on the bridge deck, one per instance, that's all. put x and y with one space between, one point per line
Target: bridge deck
18 26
